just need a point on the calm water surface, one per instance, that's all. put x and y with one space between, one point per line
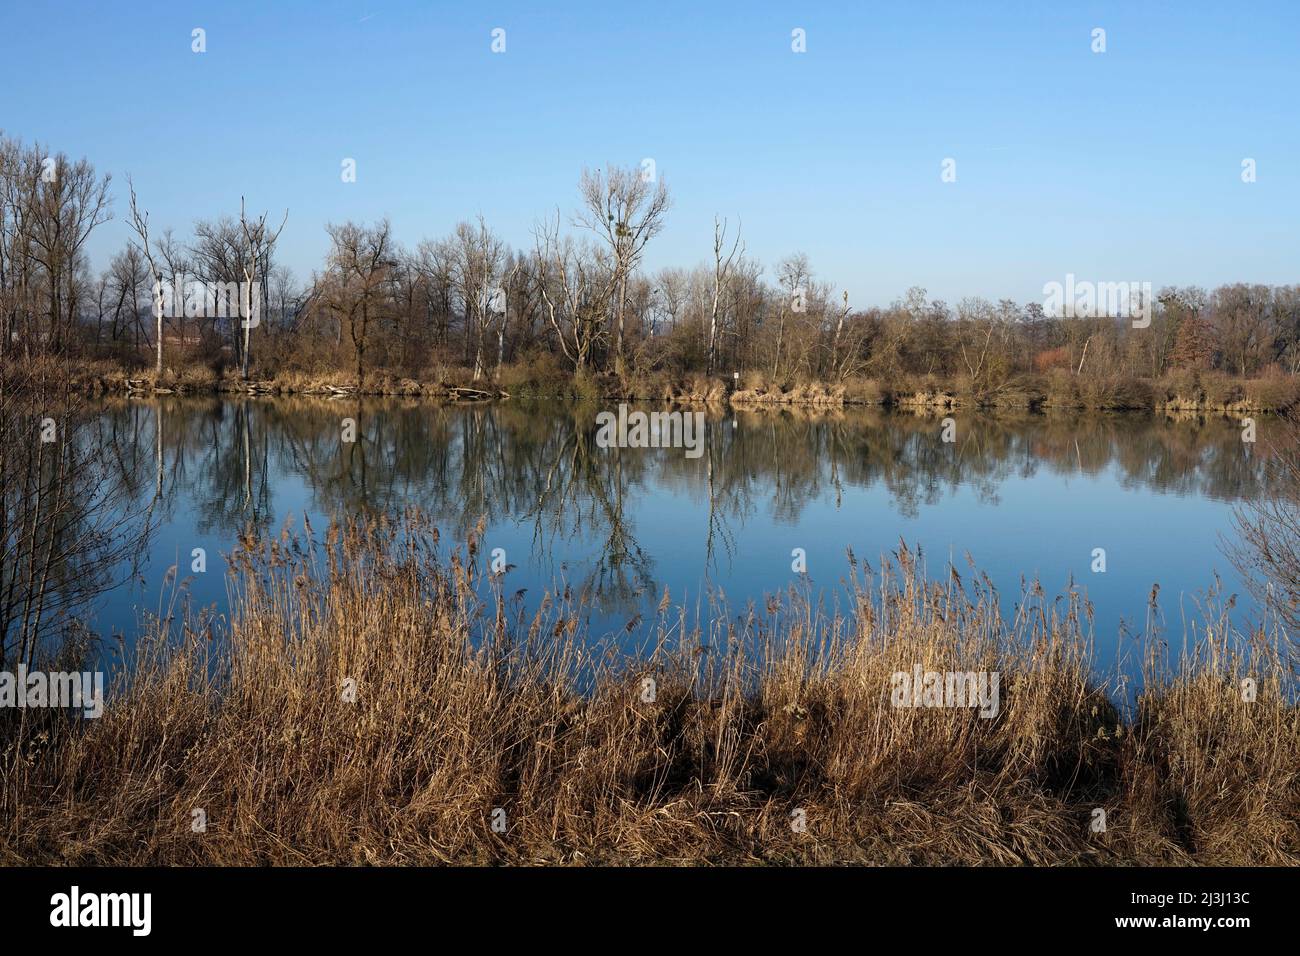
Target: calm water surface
1026 497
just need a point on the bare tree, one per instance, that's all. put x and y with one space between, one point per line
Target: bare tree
17 195
140 224
68 202
361 266
174 262
721 267
477 257
793 275
519 295
259 242
673 286
839 367
217 255
434 264
128 273
626 211
574 298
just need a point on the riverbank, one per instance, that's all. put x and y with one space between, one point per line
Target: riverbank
362 707
1203 393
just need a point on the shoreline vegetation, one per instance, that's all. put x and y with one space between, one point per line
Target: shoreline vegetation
572 309
1196 393
374 700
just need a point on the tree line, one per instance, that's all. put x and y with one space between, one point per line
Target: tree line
574 298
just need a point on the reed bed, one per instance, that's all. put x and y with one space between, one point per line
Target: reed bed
374 700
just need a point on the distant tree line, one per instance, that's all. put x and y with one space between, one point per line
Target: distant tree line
574 298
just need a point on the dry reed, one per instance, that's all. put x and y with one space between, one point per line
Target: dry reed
708 748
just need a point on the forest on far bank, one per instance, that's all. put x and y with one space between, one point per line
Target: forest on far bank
571 302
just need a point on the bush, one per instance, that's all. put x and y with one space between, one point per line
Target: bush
585 387
1048 359
1131 393
1180 386
1273 394
1028 391
537 374
1062 389
1220 390
863 391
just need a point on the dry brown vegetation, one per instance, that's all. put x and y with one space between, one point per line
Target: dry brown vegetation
464 705
538 378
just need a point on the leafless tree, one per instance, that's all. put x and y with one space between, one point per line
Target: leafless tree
626 211
722 264
573 290
434 265
673 285
68 202
259 243
477 257
140 224
128 275
360 268
793 275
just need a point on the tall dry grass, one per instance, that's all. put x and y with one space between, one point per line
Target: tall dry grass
464 705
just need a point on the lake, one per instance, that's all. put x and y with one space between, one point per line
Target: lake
1025 496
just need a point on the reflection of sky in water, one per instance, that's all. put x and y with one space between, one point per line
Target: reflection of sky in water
1156 495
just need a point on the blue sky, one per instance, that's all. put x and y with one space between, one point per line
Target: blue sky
1118 166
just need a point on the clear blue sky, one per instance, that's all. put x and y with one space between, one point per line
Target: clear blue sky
1117 166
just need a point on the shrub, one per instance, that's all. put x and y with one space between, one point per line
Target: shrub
1180 386
537 374
1220 390
1049 359
1062 389
1273 393
863 391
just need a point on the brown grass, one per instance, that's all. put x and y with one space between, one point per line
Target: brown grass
464 706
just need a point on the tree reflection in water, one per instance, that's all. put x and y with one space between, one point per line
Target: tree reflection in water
534 474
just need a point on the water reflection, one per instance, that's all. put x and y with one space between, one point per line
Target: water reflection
623 524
